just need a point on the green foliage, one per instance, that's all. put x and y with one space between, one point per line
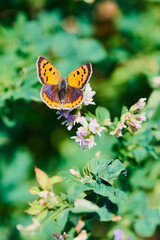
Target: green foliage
118 189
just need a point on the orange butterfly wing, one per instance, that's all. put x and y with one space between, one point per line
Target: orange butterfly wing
47 73
73 98
80 76
49 95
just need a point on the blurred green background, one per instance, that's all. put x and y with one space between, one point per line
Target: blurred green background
122 41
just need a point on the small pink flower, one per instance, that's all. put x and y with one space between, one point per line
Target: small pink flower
135 121
82 132
121 125
130 120
138 106
94 127
81 137
91 142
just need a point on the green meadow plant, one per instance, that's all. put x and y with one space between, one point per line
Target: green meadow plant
96 192
106 168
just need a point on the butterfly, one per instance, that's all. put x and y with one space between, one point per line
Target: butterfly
62 93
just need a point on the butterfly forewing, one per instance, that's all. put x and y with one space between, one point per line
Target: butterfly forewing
80 76
47 73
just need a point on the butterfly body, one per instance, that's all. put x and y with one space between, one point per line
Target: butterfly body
62 93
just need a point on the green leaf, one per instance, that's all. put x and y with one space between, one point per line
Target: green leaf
102 189
75 190
43 179
34 190
27 94
83 205
113 170
22 161
97 165
118 197
103 115
35 210
56 179
146 227
89 47
140 154
41 216
138 203
124 110
104 214
62 219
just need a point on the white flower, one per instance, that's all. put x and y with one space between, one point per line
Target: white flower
88 95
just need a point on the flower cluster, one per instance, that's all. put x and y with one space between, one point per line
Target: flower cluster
85 133
130 119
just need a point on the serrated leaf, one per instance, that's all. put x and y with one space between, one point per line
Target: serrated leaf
43 179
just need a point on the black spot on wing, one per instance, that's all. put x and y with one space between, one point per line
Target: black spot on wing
88 73
78 72
84 70
50 69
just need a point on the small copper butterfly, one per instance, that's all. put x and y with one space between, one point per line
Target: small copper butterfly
66 93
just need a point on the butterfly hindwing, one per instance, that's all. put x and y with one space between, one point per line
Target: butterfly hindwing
73 98
49 94
80 76
47 73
